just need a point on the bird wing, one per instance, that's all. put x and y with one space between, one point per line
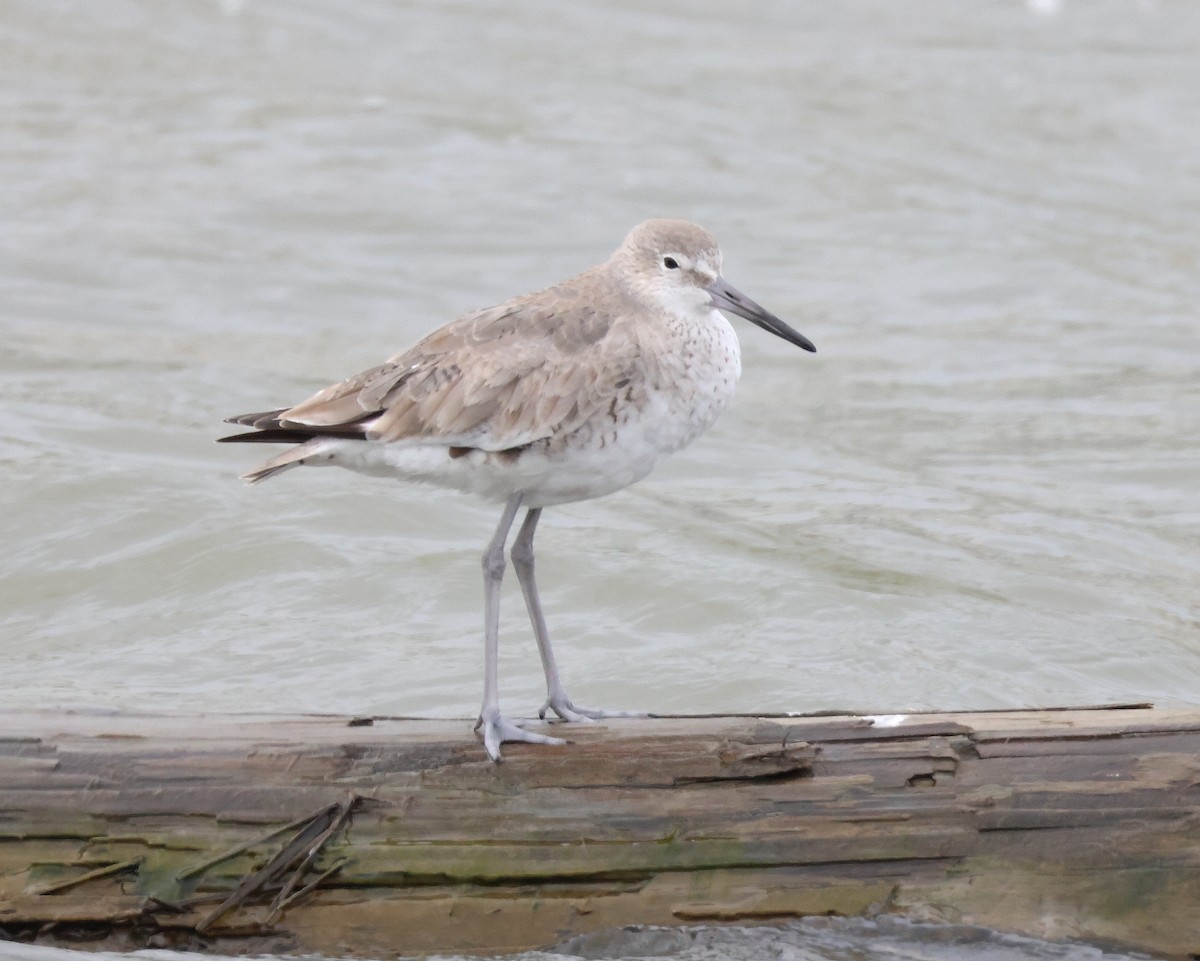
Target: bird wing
495 379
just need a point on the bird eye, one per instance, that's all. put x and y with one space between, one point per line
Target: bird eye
670 263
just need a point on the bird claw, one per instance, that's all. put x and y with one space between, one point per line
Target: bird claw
562 706
497 730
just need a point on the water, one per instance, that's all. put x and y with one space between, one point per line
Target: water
813 939
980 493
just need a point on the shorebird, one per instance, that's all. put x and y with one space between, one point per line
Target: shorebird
570 393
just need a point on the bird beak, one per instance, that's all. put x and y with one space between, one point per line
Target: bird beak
727 297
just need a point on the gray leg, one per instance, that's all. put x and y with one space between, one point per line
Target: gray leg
496 728
556 695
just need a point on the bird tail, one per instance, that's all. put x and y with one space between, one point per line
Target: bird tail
293 457
305 446
271 428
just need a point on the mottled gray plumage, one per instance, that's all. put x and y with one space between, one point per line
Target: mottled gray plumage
568 393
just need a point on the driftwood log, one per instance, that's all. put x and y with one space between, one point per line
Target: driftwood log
376 836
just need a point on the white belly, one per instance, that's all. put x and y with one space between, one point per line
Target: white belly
682 396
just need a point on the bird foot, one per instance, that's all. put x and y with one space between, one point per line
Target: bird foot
497 729
561 705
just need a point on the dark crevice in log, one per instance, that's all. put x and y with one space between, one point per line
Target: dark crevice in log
767 777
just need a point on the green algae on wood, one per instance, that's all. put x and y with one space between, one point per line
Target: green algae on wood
147 831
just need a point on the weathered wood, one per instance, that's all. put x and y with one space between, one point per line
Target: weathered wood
238 831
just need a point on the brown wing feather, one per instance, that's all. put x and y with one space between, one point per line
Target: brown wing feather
348 401
498 378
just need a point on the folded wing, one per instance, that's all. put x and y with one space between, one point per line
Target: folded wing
496 380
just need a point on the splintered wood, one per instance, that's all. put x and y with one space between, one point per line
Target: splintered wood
350 837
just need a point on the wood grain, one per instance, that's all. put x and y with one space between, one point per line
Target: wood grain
137 830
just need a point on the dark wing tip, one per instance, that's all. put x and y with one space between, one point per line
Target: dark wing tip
259 419
268 436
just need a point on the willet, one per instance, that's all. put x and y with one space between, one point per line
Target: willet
557 396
